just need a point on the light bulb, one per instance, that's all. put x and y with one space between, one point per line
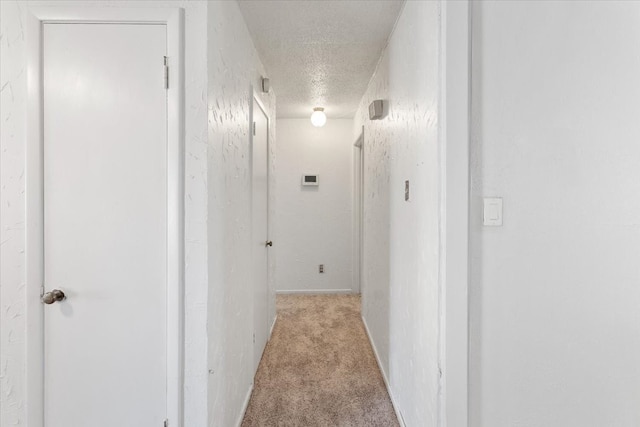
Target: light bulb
318 118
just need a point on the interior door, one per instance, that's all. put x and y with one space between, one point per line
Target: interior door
259 231
105 224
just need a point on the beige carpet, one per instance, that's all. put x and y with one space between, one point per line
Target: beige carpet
319 368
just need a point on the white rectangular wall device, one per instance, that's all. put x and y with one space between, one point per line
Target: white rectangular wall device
492 212
312 180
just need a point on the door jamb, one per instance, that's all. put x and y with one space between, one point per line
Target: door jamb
455 119
358 194
256 97
173 18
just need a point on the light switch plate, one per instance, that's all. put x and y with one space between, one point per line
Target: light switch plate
492 212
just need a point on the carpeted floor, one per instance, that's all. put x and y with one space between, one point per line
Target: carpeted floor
319 369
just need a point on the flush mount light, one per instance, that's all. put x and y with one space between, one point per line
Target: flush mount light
318 118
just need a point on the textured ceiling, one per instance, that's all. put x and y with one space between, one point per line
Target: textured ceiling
319 52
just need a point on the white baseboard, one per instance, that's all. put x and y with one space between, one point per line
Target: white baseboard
316 291
272 326
384 374
245 405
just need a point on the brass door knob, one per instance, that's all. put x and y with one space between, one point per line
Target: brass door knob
53 296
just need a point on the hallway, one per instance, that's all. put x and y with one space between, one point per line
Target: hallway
318 369
217 213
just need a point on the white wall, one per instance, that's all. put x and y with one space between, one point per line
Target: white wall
220 66
400 287
233 68
12 199
314 223
555 292
12 214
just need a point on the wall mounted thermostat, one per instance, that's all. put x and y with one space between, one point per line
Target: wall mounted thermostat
310 180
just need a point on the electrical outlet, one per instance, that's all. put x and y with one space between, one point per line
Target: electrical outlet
321 268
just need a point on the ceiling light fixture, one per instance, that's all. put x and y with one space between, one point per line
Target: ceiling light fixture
318 118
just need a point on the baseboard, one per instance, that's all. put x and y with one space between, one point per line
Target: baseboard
384 374
316 291
245 405
272 326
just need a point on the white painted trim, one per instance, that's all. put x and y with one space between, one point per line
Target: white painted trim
396 409
357 205
315 291
173 18
34 253
455 51
256 97
273 325
97 14
245 405
175 218
270 250
359 142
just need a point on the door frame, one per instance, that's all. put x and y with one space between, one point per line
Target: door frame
358 211
173 18
454 139
256 97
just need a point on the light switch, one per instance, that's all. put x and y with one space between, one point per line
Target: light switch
492 212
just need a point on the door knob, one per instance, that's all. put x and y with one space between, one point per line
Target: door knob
53 296
269 243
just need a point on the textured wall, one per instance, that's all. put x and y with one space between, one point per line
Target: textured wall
12 213
234 67
555 295
12 199
314 223
401 239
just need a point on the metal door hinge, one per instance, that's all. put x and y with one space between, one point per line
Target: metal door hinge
254 128
254 338
166 72
166 423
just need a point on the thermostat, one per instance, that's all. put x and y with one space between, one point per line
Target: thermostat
310 180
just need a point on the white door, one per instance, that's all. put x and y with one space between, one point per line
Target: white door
105 224
259 232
